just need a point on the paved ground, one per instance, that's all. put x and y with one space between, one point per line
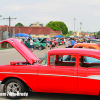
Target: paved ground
8 55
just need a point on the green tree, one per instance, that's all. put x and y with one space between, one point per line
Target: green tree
19 24
83 35
70 32
94 34
58 26
82 32
98 33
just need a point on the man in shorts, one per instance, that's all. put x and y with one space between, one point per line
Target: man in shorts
52 44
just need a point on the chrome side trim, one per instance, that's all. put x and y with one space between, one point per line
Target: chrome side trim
57 75
96 77
17 73
37 74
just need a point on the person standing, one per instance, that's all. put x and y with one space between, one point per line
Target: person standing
72 42
26 40
52 44
31 44
56 39
67 44
64 40
56 43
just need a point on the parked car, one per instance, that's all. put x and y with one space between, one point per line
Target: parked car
91 41
48 41
51 74
98 41
60 42
87 45
44 40
36 44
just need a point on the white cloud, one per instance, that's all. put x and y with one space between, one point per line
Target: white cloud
84 2
96 14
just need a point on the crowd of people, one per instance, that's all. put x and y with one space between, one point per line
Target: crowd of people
68 42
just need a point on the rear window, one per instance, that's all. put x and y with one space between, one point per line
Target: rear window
91 48
80 47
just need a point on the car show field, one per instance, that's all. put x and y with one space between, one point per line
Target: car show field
49 50
9 55
12 64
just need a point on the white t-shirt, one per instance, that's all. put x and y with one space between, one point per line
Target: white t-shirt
67 44
31 42
64 40
53 43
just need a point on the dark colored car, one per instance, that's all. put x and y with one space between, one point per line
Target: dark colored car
91 41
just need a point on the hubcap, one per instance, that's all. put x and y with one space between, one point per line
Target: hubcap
13 88
39 48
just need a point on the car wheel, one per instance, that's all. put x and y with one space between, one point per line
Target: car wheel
35 46
46 45
99 95
40 48
13 88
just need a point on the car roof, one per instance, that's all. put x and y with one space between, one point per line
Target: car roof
86 44
91 40
75 51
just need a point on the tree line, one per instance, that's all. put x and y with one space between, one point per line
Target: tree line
58 26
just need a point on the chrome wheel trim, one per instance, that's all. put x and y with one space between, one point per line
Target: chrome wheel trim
13 89
40 48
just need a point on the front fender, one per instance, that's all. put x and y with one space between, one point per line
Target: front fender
29 80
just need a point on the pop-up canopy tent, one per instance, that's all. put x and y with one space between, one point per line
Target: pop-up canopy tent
58 36
26 35
22 35
18 35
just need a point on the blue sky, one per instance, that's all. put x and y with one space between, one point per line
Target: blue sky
44 11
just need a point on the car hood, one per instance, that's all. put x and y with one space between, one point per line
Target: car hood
42 40
22 49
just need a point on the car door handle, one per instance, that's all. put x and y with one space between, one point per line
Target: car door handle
72 69
52 67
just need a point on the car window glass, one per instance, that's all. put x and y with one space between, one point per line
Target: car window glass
34 41
69 58
80 47
91 48
88 62
63 60
52 60
44 61
91 60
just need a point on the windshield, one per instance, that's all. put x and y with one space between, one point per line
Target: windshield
36 40
44 61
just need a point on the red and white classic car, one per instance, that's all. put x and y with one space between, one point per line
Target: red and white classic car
69 70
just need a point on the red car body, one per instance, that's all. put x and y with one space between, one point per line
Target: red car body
52 78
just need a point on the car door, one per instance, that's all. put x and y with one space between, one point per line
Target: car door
60 78
89 76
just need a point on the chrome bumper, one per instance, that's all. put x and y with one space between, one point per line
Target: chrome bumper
0 82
